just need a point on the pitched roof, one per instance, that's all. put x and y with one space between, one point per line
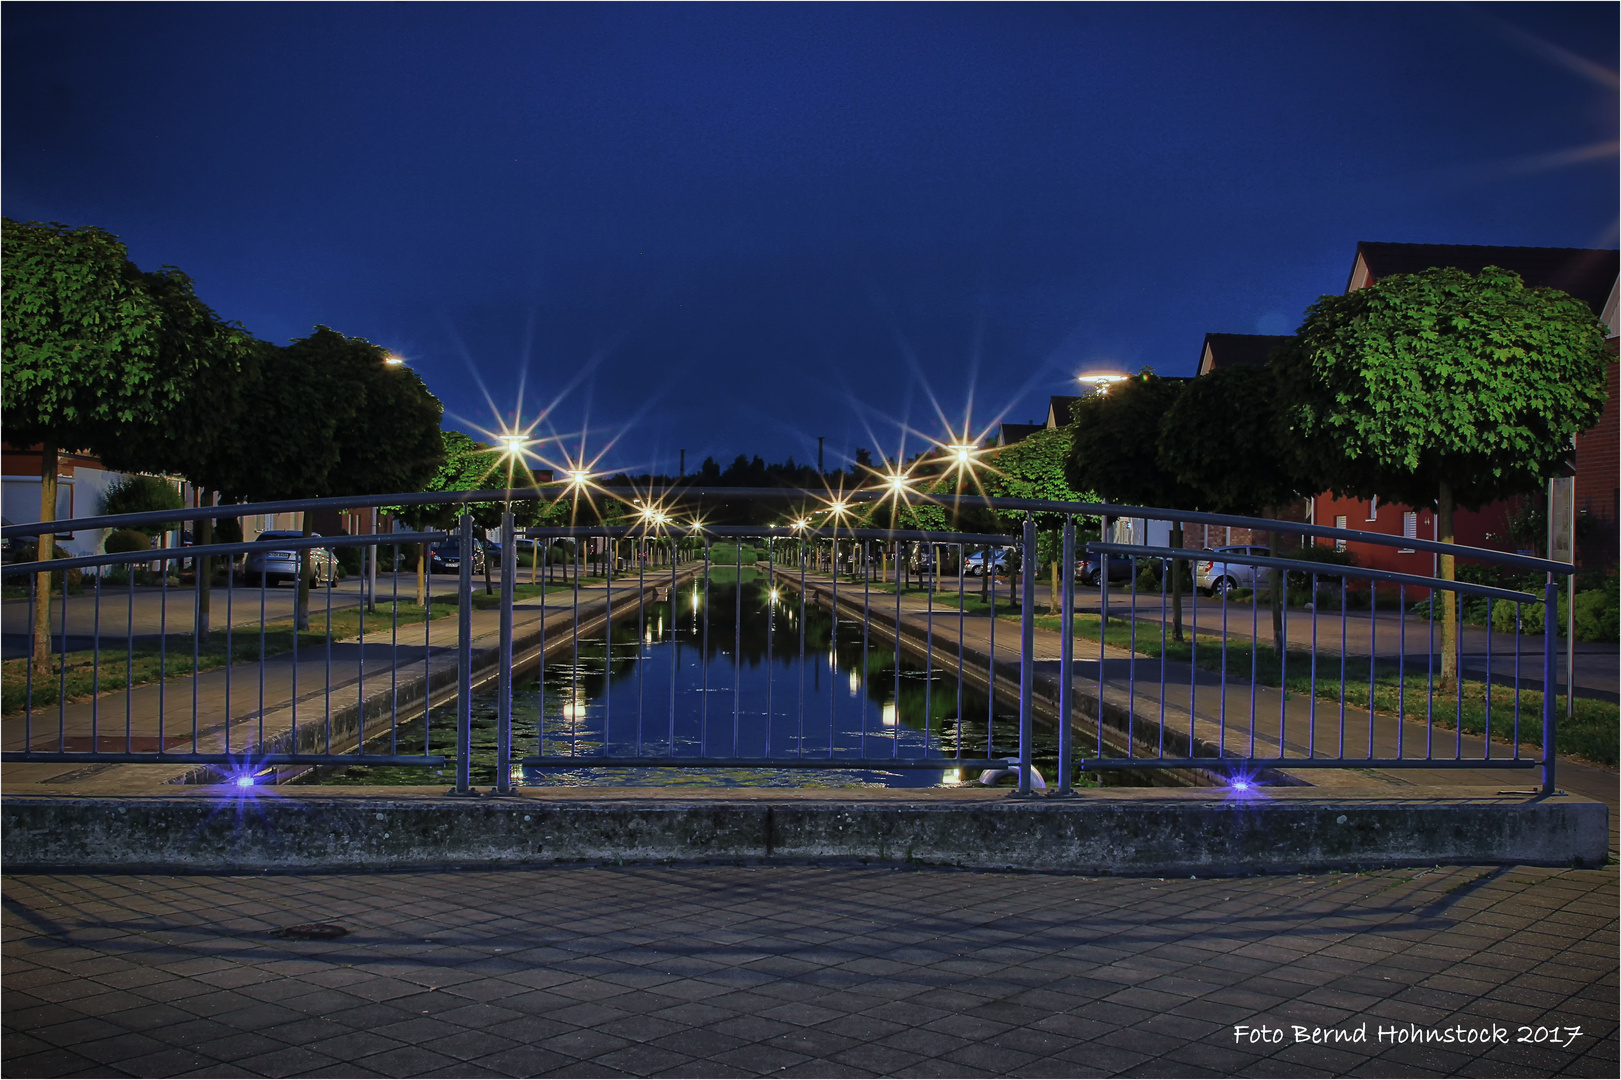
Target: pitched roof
1012 433
1058 410
1589 274
1236 350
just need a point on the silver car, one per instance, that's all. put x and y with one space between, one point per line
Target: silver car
1218 577
269 567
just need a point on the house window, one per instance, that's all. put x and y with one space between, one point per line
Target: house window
1409 528
1339 523
1373 508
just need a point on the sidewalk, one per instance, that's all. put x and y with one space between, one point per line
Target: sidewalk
830 971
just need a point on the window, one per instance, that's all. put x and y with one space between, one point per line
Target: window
1373 508
1339 523
1409 528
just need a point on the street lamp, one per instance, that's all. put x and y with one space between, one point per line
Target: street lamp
393 361
1102 381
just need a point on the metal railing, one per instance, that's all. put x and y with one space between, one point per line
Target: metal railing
892 610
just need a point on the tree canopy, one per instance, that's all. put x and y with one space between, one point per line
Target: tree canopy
1440 378
1116 444
1220 440
95 350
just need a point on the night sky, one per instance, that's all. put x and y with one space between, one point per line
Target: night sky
734 228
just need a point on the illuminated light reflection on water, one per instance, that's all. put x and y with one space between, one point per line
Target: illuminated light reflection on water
650 695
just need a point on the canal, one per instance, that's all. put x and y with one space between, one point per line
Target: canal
728 666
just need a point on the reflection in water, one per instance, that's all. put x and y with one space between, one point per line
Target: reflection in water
734 685
735 670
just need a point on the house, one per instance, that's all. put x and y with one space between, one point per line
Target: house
1237 350
81 484
1589 275
1008 434
1058 410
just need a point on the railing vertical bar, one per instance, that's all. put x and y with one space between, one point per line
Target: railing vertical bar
28 676
331 583
675 634
263 646
641 639
610 557
1519 649
230 649
833 653
1429 690
1193 668
1131 664
1457 666
394 655
895 733
1373 656
990 663
804 557
703 660
95 673
572 708
1027 656
1487 742
503 717
368 598
1280 583
928 647
770 641
1226 590
1401 668
163 651
464 659
962 623
62 681
737 648
1255 655
1311 697
1066 661
1550 646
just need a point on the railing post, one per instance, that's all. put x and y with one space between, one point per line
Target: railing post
1103 580
464 660
1027 654
1550 652
1066 656
503 722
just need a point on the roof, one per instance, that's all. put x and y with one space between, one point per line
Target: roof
1012 433
1058 410
1589 274
1237 350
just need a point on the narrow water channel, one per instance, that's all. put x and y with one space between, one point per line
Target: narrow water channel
730 667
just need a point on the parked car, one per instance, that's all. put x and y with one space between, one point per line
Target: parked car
269 567
1218 577
445 557
1000 561
1088 571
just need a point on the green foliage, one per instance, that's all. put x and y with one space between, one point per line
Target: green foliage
80 349
1219 438
143 494
326 416
1598 615
121 540
1034 468
1115 444
1437 378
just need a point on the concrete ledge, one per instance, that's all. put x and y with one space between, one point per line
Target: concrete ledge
1187 833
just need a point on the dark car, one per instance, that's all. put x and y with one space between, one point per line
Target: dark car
1090 570
445 557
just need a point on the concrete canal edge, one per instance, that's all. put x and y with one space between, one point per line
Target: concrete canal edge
1155 833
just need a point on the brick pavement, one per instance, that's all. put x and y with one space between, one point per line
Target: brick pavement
800 970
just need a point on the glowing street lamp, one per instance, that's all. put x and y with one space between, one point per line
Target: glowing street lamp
513 445
393 361
578 477
1102 381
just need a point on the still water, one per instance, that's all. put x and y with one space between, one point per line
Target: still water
729 667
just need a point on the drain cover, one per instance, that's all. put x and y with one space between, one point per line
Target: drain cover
313 931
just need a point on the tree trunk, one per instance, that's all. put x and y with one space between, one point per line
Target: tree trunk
1058 563
1176 585
306 569
203 533
45 548
1449 599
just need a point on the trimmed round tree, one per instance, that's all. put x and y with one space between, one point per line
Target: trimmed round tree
1440 388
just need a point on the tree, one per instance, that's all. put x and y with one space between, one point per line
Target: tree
1034 468
140 495
91 352
1220 439
1116 453
1440 387
328 416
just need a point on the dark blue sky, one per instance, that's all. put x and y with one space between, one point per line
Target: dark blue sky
733 228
